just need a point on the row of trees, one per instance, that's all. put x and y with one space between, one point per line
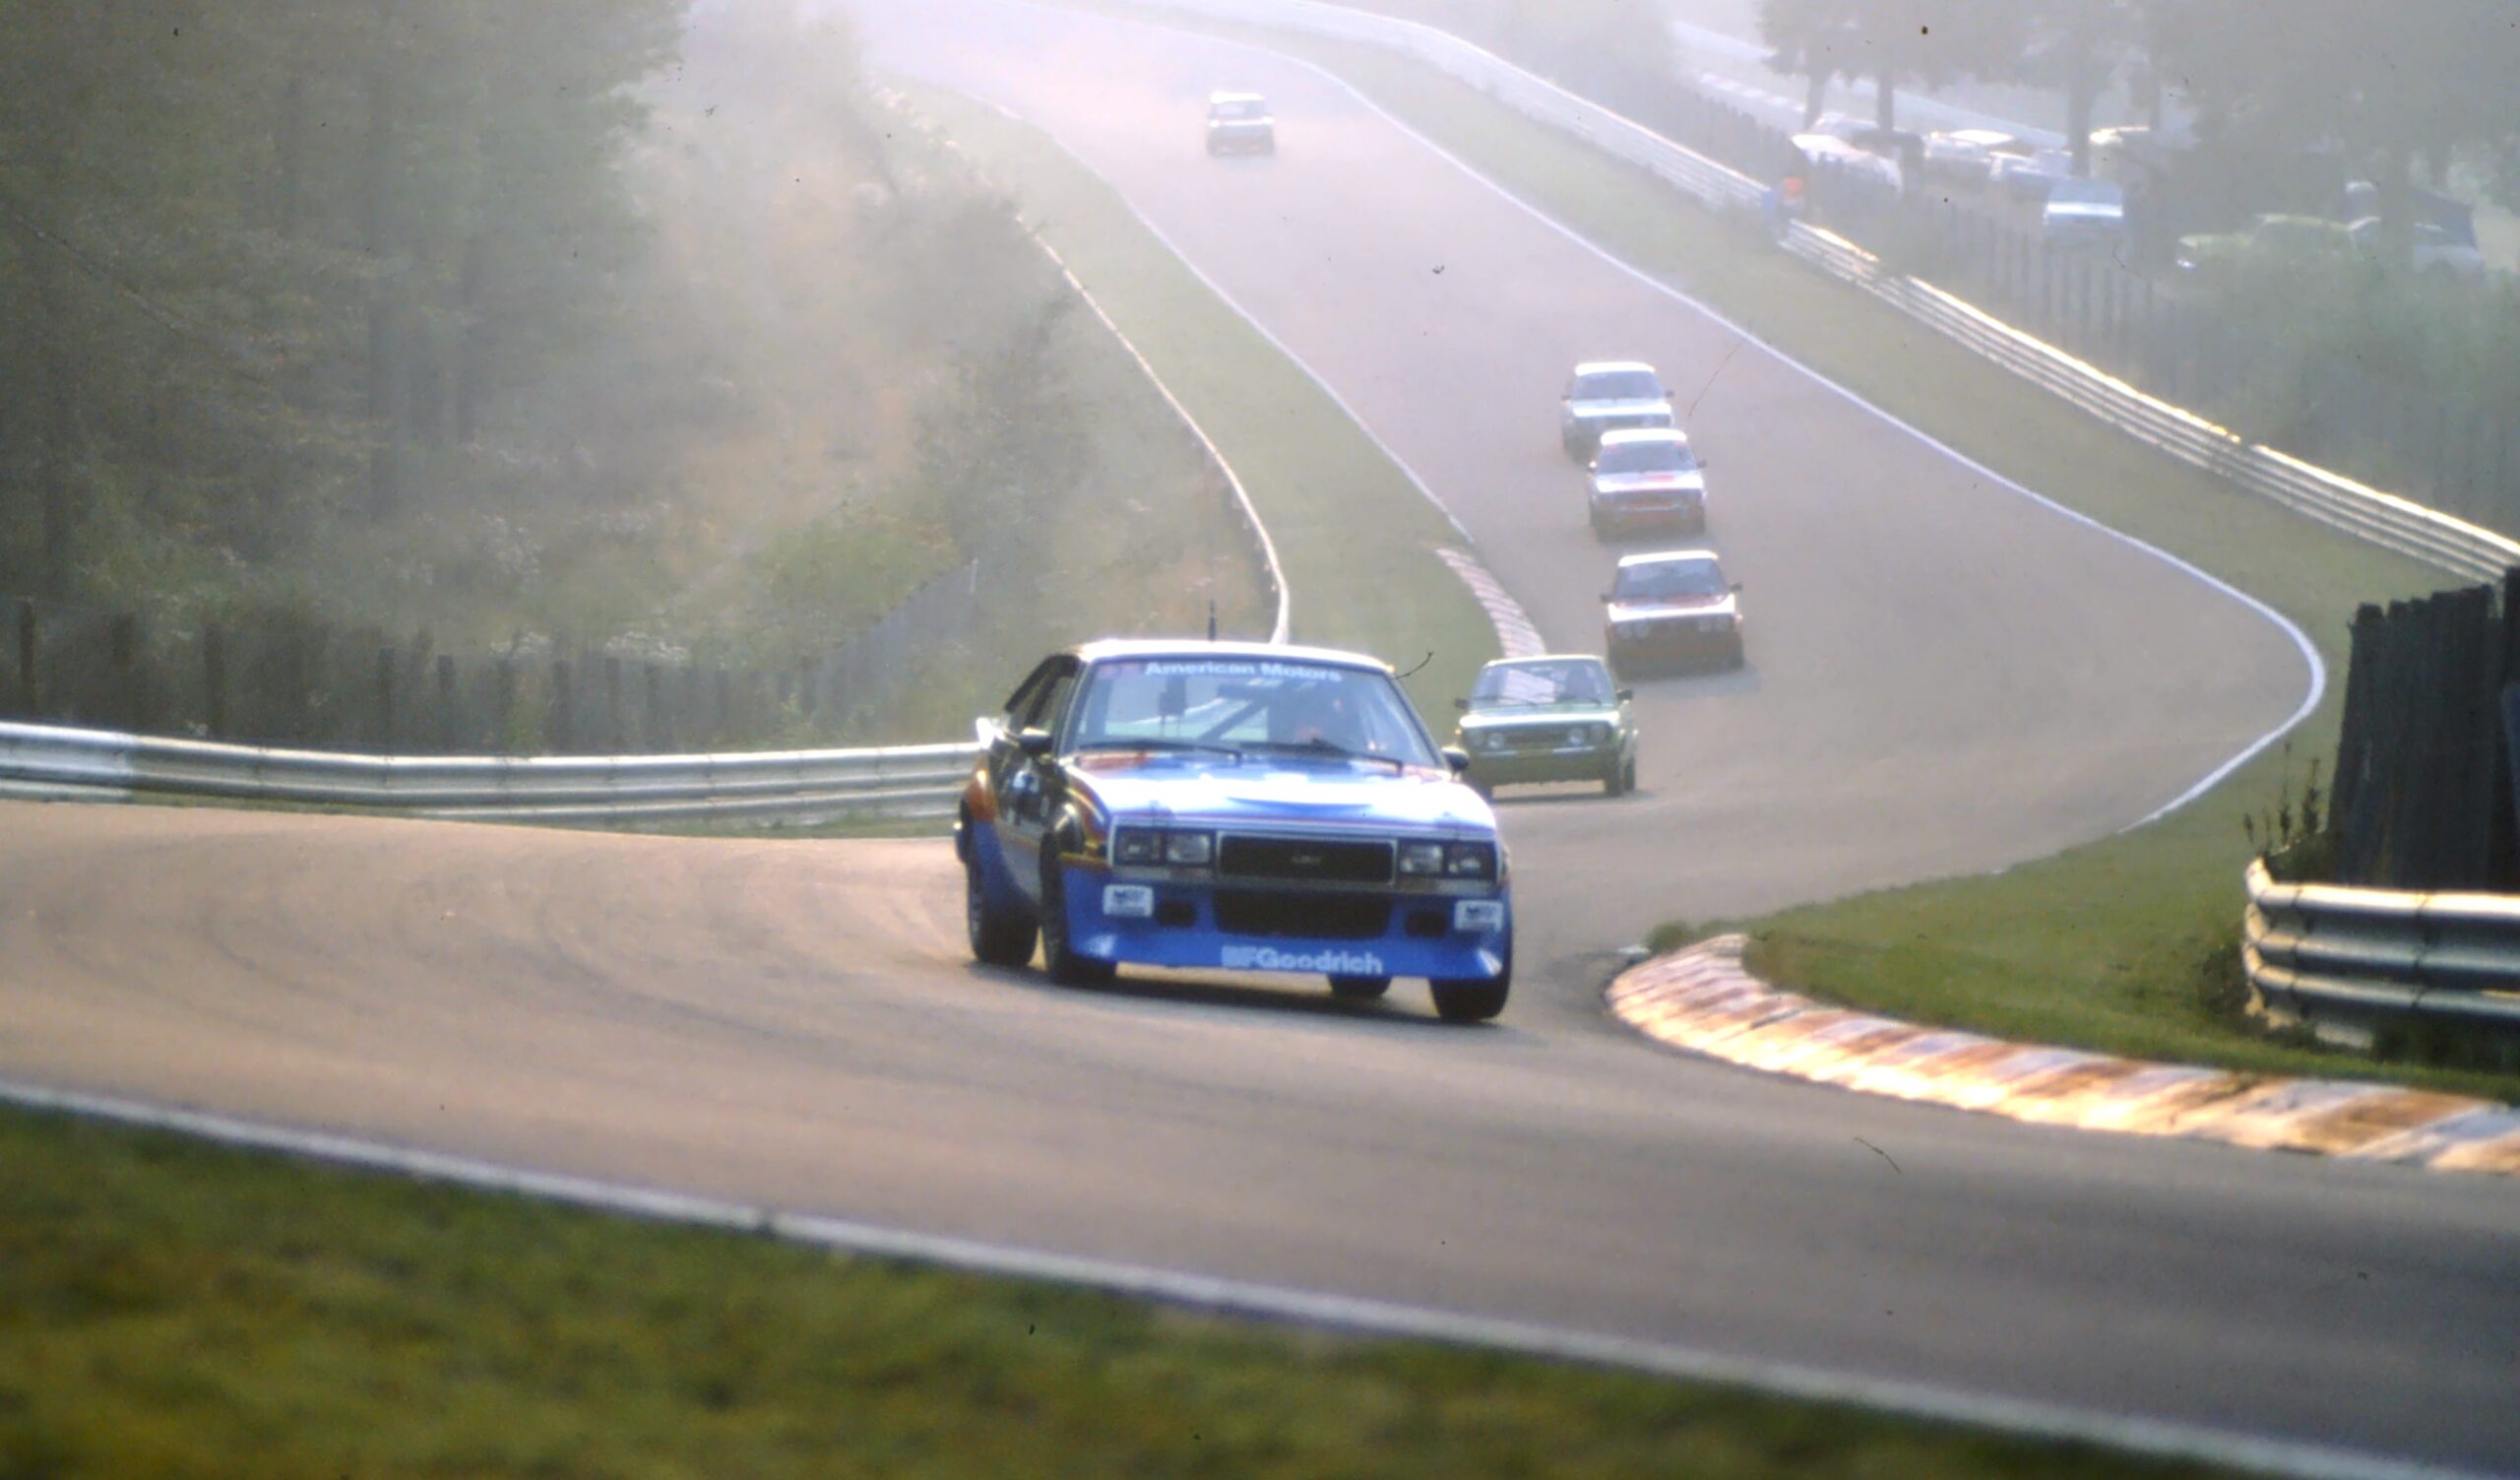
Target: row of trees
259 251
2395 84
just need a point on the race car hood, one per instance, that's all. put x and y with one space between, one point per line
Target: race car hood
1594 410
1612 485
1705 605
1269 789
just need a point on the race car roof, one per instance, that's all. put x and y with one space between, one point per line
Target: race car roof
1193 647
1632 435
1663 556
1611 366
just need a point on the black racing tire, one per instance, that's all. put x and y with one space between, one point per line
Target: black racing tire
1737 658
1059 963
1360 989
1627 774
1000 936
1621 776
1487 790
1471 1001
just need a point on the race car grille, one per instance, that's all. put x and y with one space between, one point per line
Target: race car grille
1304 859
1318 917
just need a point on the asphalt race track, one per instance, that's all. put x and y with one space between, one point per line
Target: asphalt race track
1944 677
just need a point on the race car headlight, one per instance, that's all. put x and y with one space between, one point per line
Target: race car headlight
1491 740
1421 859
1470 860
1146 847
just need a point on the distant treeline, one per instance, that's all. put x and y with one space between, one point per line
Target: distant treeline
255 253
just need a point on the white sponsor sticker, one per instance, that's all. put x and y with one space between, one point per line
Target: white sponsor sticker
1331 961
1479 915
1128 901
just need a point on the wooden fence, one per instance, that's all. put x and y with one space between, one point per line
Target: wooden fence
2423 795
285 681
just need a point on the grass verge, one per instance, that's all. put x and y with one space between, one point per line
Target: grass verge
1357 538
176 1309
2126 945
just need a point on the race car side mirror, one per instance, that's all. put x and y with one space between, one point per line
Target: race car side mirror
1033 742
1627 694
1736 588
1457 759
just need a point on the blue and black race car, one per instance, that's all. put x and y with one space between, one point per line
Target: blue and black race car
1236 806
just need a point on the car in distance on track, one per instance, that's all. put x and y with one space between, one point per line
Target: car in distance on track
1671 606
1606 396
1239 123
1557 717
1647 478
1234 806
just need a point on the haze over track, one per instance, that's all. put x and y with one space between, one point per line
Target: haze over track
1945 675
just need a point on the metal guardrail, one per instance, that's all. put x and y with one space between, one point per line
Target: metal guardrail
2351 963
801 785
2383 519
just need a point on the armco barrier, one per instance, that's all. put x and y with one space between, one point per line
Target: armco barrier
2354 964
906 781
2383 519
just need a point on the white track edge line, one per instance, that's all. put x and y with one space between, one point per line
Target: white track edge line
1353 1314
2300 639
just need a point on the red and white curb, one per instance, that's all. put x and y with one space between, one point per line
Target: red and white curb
1515 634
1705 1000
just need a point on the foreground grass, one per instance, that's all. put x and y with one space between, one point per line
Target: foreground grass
1357 538
178 1309
2129 945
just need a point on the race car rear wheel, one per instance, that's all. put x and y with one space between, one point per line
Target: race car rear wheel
1360 989
1000 934
1058 960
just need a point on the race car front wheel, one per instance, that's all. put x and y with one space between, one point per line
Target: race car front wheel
1058 959
1474 999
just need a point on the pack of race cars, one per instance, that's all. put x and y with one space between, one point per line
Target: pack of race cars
1241 807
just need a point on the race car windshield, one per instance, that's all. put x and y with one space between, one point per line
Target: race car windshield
1647 457
1248 107
1525 684
1264 703
1677 581
1619 385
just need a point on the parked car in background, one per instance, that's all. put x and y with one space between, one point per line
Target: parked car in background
1237 806
1671 606
2031 176
2433 251
1967 155
1606 396
1648 478
2083 214
1239 123
1827 151
2269 238
1554 718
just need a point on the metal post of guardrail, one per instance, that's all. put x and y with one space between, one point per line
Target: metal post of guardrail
385 699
